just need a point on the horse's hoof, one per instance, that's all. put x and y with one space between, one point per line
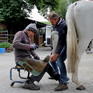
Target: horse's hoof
81 87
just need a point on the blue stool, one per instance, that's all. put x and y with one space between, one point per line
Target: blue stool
18 68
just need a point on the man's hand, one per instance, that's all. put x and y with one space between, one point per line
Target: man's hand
33 47
54 57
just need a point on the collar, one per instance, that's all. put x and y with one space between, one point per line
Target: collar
60 20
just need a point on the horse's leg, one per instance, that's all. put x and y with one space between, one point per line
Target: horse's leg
75 79
81 48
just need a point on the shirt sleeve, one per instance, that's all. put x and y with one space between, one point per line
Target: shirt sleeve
18 44
33 53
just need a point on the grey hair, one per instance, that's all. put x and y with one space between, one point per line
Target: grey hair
53 15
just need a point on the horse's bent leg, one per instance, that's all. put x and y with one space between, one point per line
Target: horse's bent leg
55 39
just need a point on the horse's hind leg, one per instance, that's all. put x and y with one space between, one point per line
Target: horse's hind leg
75 79
75 76
81 48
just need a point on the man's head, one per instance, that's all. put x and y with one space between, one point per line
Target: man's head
53 18
31 29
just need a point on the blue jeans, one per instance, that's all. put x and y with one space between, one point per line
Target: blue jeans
60 63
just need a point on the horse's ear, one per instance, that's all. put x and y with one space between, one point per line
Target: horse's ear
46 59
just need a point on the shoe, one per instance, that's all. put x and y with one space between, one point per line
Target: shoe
61 86
30 85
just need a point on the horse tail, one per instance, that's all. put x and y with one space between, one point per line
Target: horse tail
72 55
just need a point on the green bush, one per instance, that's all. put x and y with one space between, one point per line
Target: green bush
4 45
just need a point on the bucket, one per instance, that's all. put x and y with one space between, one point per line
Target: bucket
2 50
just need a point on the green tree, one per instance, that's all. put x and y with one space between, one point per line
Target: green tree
14 10
63 4
62 8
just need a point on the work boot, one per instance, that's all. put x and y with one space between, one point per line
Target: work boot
30 85
61 86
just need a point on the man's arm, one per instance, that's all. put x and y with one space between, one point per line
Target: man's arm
33 53
17 42
62 39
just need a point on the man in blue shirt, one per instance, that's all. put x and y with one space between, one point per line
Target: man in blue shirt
59 56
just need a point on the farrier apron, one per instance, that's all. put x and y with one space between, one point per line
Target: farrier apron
32 65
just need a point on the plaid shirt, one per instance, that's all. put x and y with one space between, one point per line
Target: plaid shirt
21 44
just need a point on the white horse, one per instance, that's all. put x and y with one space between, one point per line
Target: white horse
79 18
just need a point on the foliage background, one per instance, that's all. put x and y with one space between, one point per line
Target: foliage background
14 12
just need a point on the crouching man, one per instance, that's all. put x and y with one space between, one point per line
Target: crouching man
26 57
